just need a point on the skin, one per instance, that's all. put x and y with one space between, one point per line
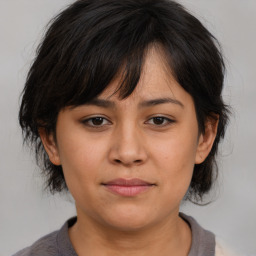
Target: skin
129 142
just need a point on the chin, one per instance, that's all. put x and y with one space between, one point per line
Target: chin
128 221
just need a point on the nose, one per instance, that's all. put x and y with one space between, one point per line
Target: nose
128 147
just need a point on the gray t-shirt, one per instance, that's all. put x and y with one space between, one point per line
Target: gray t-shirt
59 244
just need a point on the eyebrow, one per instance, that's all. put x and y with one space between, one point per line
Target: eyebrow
147 103
153 102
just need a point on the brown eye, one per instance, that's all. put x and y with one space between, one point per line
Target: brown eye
96 122
160 121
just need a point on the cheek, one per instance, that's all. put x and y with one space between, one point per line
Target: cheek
175 152
81 160
175 159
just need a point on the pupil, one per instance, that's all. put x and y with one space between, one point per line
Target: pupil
158 120
97 121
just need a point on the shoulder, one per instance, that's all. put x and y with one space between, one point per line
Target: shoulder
45 246
56 243
203 241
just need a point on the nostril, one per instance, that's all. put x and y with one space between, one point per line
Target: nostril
135 161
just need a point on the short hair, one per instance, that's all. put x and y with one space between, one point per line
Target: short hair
88 43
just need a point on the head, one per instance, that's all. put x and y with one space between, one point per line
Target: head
104 48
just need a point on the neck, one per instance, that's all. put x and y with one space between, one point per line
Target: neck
170 237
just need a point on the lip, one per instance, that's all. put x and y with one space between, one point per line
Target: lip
128 187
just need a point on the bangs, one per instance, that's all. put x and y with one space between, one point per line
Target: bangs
101 52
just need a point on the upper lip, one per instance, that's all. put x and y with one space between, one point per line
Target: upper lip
128 182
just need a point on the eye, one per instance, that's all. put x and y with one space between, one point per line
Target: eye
160 121
96 121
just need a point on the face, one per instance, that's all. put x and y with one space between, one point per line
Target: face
128 163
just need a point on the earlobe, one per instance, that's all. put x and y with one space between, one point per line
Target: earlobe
206 139
50 146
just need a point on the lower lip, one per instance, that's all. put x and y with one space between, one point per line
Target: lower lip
128 191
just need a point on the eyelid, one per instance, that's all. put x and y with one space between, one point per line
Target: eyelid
87 119
168 119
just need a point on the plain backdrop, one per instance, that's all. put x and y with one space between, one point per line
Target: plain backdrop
27 212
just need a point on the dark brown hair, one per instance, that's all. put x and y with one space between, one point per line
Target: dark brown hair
87 44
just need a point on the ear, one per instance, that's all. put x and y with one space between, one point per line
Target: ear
206 139
50 146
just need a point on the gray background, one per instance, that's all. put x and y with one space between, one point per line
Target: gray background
27 212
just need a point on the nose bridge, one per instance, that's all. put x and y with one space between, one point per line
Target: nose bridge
127 144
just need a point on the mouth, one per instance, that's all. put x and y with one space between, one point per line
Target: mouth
128 187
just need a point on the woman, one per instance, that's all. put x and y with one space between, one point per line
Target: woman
123 107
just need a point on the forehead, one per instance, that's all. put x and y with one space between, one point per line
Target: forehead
156 81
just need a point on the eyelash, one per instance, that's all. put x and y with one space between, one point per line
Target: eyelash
86 121
167 121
